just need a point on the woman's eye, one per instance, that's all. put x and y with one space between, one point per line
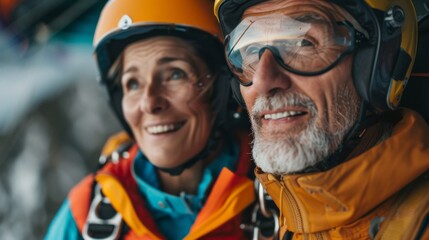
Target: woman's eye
132 84
177 74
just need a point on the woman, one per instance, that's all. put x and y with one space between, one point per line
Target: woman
182 176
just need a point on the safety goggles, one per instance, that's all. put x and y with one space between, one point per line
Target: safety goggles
306 44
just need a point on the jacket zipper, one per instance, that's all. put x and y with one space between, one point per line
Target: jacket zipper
294 205
296 212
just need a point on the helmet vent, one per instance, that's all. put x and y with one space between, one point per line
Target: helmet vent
395 18
125 22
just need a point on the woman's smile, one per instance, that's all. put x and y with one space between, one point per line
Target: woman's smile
163 128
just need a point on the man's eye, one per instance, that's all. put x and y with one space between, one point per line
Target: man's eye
132 84
177 74
252 49
294 43
303 43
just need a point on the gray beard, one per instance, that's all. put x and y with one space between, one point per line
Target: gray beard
289 154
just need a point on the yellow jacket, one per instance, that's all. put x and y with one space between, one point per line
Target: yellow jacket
347 201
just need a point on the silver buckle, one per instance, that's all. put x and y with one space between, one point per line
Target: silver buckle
94 218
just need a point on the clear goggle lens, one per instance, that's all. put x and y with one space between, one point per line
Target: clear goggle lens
305 44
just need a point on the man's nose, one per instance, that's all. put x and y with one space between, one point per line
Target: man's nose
270 76
152 101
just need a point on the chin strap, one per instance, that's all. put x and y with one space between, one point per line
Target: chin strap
350 142
211 145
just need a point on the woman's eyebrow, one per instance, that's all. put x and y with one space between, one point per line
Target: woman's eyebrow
188 60
170 59
130 69
158 62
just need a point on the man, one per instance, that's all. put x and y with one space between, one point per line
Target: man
321 80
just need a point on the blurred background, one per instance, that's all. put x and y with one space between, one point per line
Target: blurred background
54 116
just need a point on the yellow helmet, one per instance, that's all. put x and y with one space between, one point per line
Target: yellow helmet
383 65
123 22
120 15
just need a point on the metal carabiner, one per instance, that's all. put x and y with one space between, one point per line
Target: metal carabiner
276 229
256 224
261 215
262 195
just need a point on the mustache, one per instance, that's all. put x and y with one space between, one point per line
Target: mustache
282 100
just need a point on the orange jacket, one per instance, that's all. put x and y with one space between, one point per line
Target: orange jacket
343 202
220 218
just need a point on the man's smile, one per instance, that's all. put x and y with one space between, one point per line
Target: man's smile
285 114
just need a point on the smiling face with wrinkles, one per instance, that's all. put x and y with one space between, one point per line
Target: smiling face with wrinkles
298 121
165 104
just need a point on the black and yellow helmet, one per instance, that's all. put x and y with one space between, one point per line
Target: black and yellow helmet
382 66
